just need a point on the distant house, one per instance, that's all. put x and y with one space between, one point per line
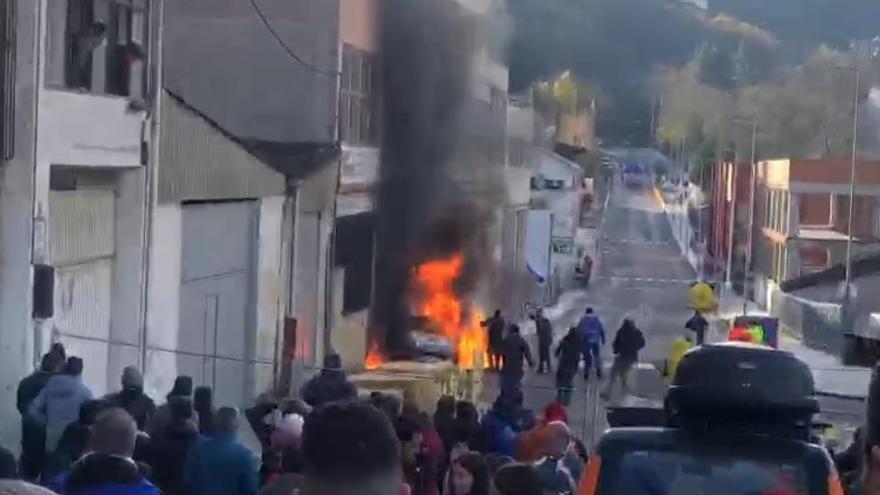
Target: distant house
557 186
802 216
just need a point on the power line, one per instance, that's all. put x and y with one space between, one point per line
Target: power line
286 48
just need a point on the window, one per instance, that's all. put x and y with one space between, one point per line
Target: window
7 78
358 108
103 49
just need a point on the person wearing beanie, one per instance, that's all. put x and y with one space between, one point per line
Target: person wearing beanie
203 403
132 398
183 387
330 385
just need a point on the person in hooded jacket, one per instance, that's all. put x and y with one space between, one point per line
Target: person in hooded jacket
499 428
167 452
183 387
556 466
330 385
108 468
33 433
516 354
592 338
75 439
628 341
568 352
59 402
203 403
221 465
132 397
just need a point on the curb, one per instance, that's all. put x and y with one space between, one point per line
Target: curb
838 395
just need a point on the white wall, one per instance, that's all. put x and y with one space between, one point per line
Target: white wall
88 130
270 286
17 356
163 298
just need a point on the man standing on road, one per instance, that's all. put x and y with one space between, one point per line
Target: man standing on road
545 339
698 325
627 344
515 351
593 338
495 328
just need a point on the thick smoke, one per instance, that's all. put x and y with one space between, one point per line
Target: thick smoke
428 51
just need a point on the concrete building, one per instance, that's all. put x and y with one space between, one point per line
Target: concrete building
78 81
522 158
353 248
802 216
294 84
557 186
730 189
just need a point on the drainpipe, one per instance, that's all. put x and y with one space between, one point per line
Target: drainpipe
153 90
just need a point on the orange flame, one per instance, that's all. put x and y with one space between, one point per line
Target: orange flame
451 317
374 357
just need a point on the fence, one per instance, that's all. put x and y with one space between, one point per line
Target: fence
820 325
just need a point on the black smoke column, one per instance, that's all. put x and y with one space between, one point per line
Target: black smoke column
426 59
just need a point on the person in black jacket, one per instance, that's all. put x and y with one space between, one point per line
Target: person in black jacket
569 354
168 452
516 350
495 330
544 330
33 433
330 385
626 346
203 402
74 441
132 397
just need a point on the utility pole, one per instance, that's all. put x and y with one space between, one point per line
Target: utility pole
753 169
852 185
731 223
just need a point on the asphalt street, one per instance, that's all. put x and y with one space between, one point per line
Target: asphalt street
639 274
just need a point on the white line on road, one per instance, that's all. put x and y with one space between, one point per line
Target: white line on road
649 280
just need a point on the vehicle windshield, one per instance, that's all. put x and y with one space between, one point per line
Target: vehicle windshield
646 472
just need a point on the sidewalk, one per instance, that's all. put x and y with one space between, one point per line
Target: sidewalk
832 378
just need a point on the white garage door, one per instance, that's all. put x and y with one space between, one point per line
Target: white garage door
217 334
82 248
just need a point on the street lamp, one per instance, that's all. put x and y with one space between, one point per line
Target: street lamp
752 185
852 180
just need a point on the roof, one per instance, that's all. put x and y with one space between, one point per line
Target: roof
296 160
822 234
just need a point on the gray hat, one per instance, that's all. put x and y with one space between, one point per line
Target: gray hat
132 378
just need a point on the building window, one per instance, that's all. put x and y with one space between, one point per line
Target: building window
358 106
102 49
7 78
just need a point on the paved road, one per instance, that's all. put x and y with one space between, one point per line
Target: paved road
640 274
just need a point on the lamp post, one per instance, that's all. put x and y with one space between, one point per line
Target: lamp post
852 181
747 269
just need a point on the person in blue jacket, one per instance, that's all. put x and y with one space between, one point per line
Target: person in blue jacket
593 338
500 427
221 465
